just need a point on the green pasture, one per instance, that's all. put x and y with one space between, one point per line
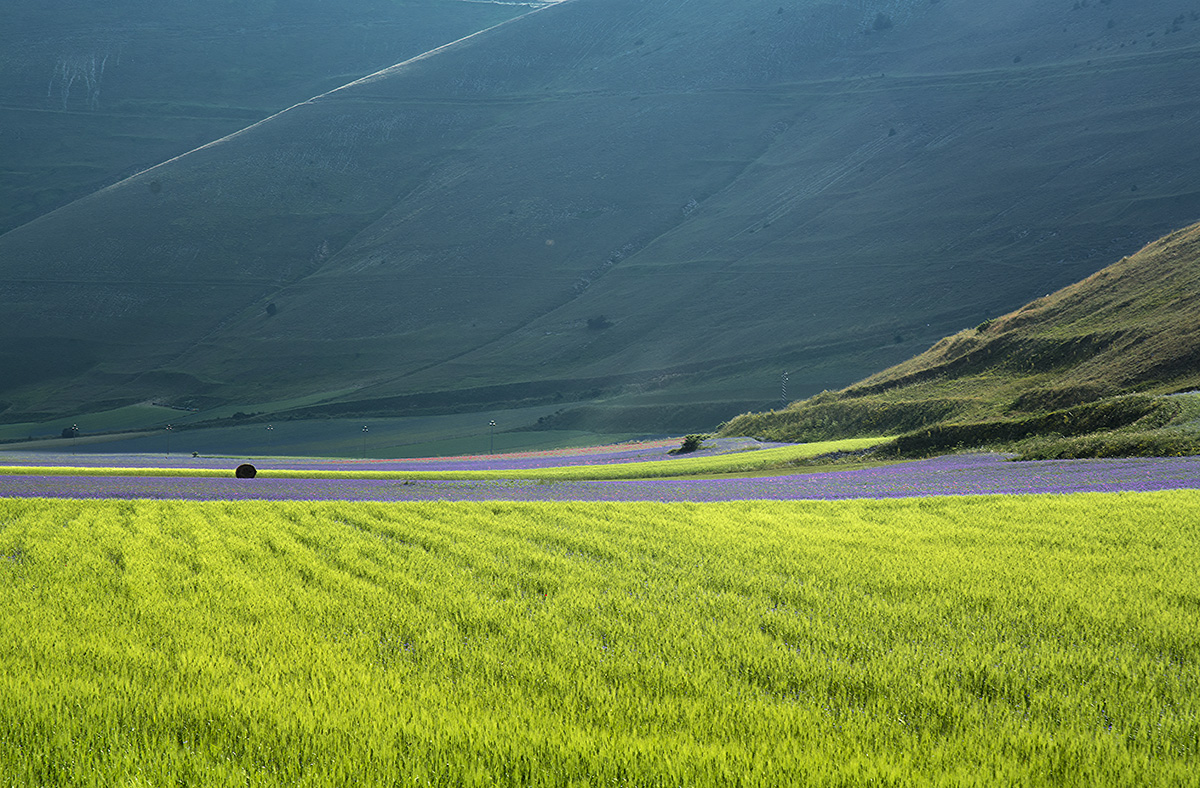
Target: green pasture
1025 640
738 462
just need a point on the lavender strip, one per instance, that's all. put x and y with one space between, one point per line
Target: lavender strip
951 475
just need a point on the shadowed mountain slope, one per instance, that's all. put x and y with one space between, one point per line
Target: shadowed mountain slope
92 92
1133 327
659 200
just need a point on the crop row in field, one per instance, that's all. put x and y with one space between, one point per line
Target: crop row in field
1040 640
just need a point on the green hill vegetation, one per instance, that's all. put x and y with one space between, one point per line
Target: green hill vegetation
628 210
1080 372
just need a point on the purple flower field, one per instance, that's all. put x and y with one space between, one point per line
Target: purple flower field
592 455
974 474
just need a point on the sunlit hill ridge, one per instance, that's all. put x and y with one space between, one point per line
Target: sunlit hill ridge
1093 356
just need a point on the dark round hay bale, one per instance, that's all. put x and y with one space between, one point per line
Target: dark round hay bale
246 471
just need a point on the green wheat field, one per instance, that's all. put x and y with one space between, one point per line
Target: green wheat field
1018 640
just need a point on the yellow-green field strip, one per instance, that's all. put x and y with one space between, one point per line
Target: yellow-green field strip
1041 640
738 462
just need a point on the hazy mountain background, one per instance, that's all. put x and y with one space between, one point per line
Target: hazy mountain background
91 92
641 211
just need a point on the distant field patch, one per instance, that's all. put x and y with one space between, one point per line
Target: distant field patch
967 474
740 462
1031 640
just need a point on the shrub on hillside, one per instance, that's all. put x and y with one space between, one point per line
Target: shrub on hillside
826 418
690 444
1057 398
1139 411
1112 444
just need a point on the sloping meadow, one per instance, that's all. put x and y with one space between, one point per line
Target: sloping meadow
1035 640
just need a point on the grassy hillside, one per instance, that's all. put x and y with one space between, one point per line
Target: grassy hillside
636 203
93 92
1058 365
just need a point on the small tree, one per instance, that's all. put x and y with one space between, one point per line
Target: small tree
690 444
